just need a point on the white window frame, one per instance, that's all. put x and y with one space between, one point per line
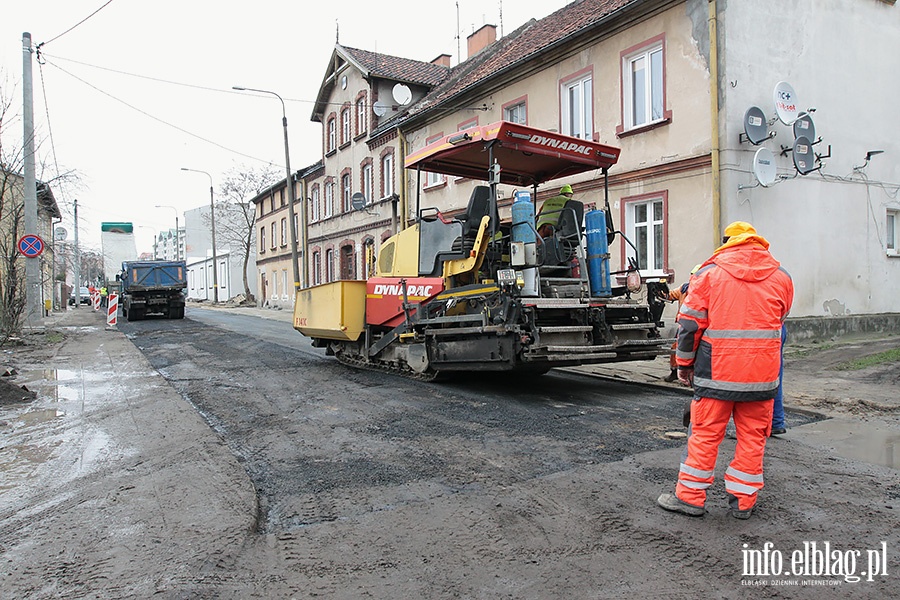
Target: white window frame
274 234
633 229
892 231
329 265
332 134
577 106
314 204
346 132
346 192
367 183
329 199
317 267
284 231
650 108
387 174
433 179
517 113
262 239
284 284
361 116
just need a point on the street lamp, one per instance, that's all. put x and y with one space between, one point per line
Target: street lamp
291 197
177 237
212 220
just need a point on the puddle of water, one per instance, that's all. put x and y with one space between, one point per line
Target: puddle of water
853 439
40 416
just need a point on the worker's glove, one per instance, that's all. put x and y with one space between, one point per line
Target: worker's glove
686 376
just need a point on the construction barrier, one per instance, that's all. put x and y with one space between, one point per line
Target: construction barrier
95 300
112 309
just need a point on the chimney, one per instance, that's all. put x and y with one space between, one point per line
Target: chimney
442 61
482 38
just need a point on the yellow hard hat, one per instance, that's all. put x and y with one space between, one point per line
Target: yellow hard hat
566 189
739 227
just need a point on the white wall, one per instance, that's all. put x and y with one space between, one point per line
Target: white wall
827 228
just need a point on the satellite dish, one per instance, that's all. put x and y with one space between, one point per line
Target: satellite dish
785 102
804 159
804 127
755 127
402 94
358 200
60 233
764 166
380 108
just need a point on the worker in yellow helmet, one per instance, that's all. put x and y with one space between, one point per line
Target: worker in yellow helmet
548 216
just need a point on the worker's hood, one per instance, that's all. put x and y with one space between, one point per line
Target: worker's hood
747 259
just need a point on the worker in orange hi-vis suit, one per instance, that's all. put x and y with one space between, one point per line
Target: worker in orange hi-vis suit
729 346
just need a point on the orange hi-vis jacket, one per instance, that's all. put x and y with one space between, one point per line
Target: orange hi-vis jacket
729 326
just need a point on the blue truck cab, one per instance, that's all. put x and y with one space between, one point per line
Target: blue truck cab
153 287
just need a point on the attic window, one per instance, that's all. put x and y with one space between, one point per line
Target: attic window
344 82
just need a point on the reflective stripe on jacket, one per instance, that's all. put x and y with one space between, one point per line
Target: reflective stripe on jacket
729 327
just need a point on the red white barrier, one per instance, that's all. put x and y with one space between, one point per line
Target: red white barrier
95 300
112 309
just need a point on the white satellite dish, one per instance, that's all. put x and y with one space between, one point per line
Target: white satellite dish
785 102
804 127
755 127
764 167
402 94
380 108
804 159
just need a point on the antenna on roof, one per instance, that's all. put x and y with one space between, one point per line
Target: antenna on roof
501 18
337 32
458 49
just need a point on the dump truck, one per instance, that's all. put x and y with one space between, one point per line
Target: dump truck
153 287
467 292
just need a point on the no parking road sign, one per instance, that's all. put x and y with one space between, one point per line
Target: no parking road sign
31 245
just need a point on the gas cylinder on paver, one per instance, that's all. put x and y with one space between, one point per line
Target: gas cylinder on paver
524 239
597 253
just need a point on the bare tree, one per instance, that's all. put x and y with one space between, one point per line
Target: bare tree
236 213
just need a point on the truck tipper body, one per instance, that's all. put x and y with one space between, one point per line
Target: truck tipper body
153 287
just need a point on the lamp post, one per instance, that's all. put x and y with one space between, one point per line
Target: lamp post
177 236
291 197
212 220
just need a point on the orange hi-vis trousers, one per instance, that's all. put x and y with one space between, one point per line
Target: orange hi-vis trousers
744 476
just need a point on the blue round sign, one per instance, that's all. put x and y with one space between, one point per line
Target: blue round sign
31 245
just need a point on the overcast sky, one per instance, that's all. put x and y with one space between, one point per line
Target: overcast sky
141 89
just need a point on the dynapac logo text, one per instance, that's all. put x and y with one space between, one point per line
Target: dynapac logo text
385 289
560 144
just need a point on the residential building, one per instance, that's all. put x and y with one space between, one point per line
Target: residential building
670 82
169 245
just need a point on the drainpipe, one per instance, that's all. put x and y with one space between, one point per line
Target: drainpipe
714 123
404 188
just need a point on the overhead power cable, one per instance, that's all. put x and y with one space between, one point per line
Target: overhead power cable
75 25
157 119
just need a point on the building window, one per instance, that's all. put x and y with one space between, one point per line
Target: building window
329 265
642 85
892 237
577 106
262 240
332 136
346 192
367 182
645 226
348 263
284 231
516 113
317 267
387 175
361 116
345 126
432 179
314 204
284 282
329 199
274 234
296 226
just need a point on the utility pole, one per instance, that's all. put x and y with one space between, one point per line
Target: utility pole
33 309
77 282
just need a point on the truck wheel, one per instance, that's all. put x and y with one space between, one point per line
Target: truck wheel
135 315
176 313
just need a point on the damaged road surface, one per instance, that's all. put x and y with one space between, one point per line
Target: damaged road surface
370 485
